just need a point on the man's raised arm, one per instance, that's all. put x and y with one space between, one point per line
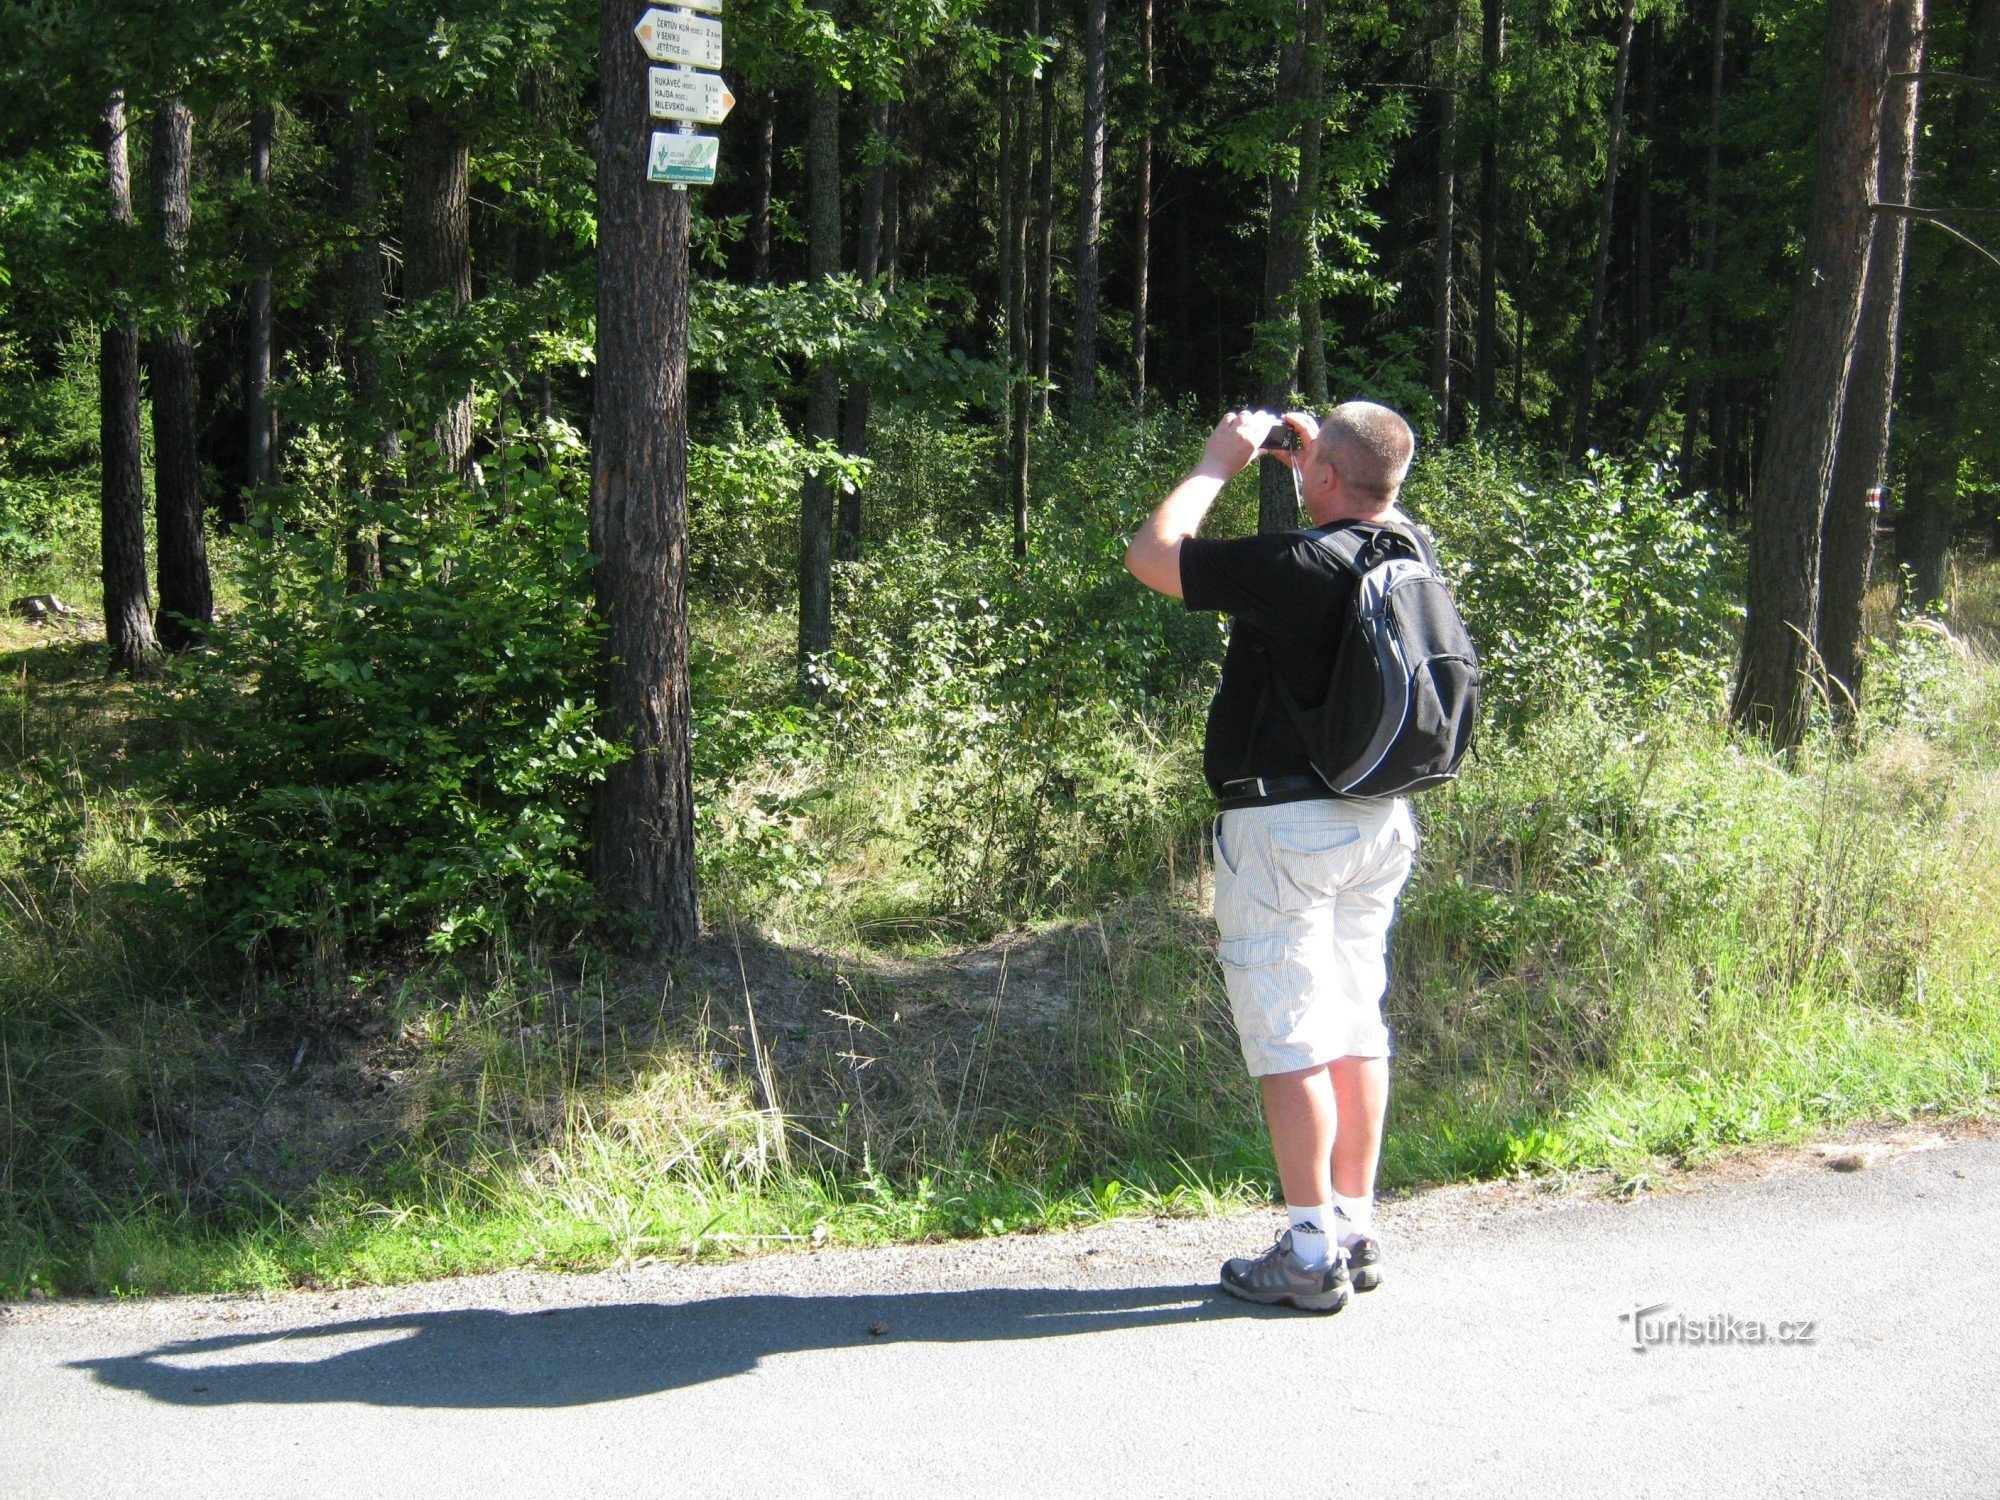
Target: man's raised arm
1154 556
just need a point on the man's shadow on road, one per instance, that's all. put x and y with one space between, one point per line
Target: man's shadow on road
575 1356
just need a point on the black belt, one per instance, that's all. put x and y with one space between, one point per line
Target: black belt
1248 791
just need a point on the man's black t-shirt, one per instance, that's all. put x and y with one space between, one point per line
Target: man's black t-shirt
1283 592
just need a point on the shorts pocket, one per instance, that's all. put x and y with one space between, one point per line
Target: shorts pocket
1266 998
1253 950
1309 865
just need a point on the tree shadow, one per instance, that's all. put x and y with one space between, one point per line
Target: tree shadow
577 1356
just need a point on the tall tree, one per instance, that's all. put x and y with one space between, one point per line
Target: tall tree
1445 219
376 450
816 503
187 603
257 365
1045 242
765 153
1277 348
1492 40
1774 680
1593 325
1943 349
1142 228
1089 209
642 835
1711 224
437 247
1862 458
1312 88
128 605
868 267
1019 397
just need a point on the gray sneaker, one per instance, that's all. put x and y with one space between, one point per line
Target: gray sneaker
1364 1263
1276 1276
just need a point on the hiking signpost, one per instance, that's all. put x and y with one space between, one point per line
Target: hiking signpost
679 91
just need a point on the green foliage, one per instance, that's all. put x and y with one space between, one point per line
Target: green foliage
413 760
1577 583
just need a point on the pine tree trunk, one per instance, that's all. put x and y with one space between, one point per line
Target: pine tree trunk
1018 338
1090 209
1862 458
816 503
1492 38
1642 215
437 247
1277 352
868 266
1445 222
1934 412
1704 356
257 368
1045 248
128 605
642 851
1593 326
1312 87
760 202
373 464
187 604
1142 229
1773 687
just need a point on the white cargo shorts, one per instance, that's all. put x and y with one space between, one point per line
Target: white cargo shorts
1304 895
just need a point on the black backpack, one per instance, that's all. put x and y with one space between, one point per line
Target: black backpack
1403 697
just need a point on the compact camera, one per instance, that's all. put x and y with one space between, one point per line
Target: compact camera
1284 437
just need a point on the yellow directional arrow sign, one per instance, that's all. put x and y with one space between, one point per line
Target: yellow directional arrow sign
678 95
673 37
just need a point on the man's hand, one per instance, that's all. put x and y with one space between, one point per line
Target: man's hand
1154 557
1234 444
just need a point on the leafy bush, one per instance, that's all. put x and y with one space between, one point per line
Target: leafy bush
1603 580
410 761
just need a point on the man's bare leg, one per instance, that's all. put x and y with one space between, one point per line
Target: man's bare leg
1361 1094
1300 1109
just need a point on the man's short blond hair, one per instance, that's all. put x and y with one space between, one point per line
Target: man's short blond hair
1369 446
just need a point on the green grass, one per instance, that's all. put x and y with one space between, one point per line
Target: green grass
1634 939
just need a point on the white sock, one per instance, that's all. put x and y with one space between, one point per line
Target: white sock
1312 1246
1356 1217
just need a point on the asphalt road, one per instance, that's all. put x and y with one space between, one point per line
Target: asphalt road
1493 1363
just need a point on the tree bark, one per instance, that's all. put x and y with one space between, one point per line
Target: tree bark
1935 409
375 462
187 604
1445 222
1312 88
642 850
1045 248
816 501
1593 327
1862 458
760 202
437 248
1773 686
257 368
1019 397
1142 229
1704 356
1492 38
128 604
1277 352
1090 209
868 265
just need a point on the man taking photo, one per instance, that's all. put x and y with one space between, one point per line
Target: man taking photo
1306 881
